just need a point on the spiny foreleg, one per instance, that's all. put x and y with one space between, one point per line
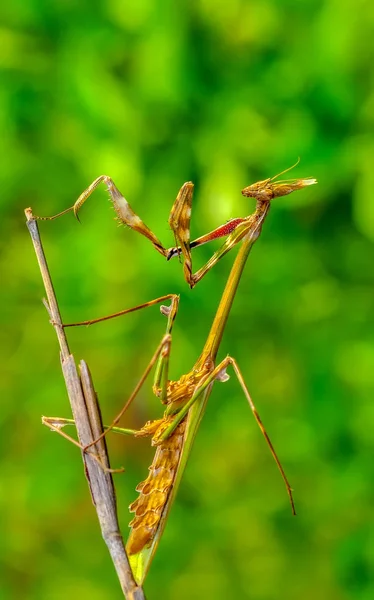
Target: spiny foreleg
125 213
263 191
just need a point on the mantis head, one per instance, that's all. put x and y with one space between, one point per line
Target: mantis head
268 189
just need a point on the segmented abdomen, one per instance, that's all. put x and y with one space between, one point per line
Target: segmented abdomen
154 492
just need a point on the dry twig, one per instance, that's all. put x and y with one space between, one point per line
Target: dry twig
88 422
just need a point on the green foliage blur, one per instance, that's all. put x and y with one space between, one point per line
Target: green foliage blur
221 93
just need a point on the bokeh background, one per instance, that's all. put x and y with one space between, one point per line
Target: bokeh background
221 93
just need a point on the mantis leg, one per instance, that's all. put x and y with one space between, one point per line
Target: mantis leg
219 373
236 235
90 422
234 231
161 376
57 423
161 357
169 311
161 353
179 221
125 213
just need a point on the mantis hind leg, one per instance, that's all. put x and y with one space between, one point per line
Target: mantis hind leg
219 373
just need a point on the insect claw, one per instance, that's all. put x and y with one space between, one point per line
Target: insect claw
119 470
175 251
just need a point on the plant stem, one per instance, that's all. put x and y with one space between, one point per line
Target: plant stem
87 418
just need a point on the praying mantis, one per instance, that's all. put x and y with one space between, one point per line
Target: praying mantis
185 399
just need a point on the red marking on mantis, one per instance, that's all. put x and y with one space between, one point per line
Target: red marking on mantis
224 229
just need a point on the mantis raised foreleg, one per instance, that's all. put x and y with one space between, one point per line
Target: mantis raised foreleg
179 221
180 216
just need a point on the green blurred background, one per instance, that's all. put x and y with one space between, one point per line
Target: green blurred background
221 93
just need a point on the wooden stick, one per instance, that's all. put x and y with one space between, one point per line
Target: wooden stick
87 417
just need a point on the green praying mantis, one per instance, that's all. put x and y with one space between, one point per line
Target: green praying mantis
185 399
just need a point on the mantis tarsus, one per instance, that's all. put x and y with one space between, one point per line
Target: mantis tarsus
186 398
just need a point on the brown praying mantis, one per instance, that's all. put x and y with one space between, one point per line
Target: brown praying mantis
186 398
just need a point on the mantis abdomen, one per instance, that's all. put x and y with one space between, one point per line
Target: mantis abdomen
155 491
